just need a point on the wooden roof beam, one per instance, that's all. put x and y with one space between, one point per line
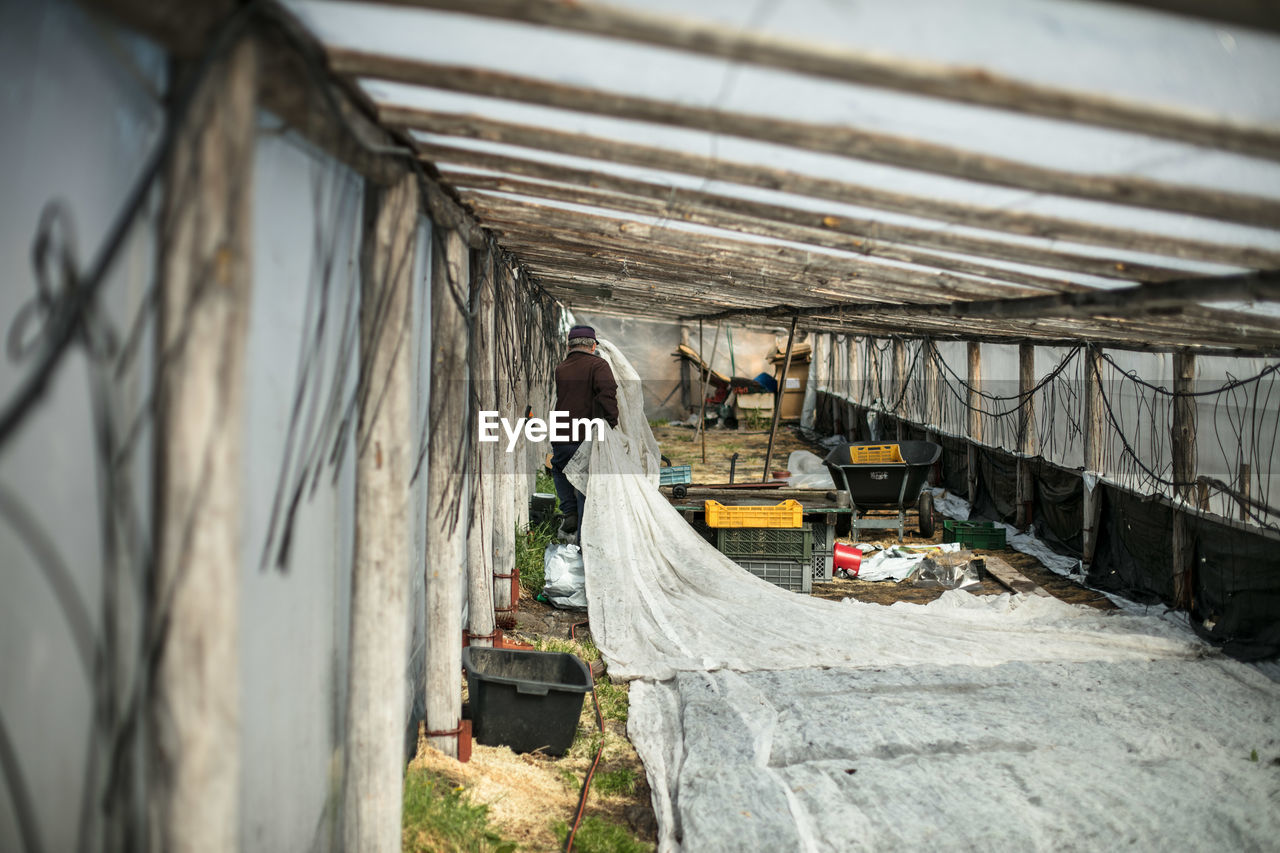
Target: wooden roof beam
1144 298
796 183
529 220
974 86
478 194
870 233
747 261
827 139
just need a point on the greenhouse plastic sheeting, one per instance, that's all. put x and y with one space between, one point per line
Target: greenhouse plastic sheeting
771 721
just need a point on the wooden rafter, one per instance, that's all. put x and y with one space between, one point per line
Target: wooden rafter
484 204
871 233
976 86
535 224
525 225
796 183
827 139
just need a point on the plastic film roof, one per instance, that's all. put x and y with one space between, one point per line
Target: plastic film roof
1002 170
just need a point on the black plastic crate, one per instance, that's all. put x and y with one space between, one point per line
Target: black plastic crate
765 543
529 701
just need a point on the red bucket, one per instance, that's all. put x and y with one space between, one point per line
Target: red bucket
846 557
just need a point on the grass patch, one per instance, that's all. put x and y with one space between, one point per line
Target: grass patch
600 836
440 817
615 782
531 546
613 699
583 648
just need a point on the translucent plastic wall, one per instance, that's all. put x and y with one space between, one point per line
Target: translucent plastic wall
299 495
81 101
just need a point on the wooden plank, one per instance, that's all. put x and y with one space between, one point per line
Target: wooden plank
1026 432
1257 14
1094 426
828 139
996 219
1183 430
380 583
446 516
1011 578
933 388
777 402
193 700
507 366
1183 452
1156 296
974 416
1008 333
815 498
625 242
484 460
489 207
973 86
868 234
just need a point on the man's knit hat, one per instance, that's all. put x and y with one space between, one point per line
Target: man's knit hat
582 332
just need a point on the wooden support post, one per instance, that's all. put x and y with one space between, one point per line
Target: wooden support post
704 374
511 505
975 416
202 327
932 403
380 584
1183 438
899 383
1027 444
1243 481
777 400
446 516
1093 422
686 388
840 365
484 461
855 387
1183 433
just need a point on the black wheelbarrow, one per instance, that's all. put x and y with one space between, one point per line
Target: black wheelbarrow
886 476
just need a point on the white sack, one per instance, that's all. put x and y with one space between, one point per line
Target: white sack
564 578
807 471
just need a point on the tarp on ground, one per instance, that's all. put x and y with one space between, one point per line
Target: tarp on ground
768 720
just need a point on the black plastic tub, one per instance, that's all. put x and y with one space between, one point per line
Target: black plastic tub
529 701
883 484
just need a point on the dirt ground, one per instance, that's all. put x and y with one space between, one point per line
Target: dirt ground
527 794
682 447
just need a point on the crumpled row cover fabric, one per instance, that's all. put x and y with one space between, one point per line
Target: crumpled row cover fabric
769 720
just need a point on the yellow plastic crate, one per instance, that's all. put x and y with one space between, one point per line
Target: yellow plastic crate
786 514
872 454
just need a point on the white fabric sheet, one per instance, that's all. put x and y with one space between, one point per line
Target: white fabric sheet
772 721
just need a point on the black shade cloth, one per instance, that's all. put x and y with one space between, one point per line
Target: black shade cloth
1134 552
955 465
997 487
1236 587
1057 508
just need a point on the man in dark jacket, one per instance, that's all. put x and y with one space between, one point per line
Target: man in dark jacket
585 388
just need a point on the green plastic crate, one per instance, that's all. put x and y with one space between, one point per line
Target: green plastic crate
788 574
766 543
974 534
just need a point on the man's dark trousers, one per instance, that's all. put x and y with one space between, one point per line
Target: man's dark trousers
572 501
